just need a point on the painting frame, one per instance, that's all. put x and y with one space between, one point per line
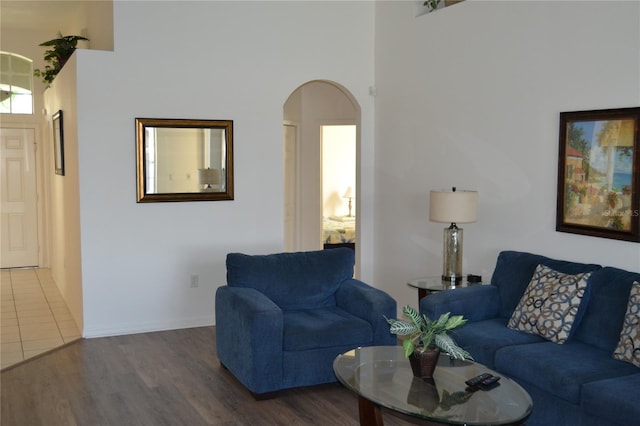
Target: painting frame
599 173
58 143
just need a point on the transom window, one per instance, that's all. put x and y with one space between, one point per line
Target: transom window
16 84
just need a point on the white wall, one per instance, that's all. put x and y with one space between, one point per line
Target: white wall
469 96
64 209
199 60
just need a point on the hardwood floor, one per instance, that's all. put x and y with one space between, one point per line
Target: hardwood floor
163 378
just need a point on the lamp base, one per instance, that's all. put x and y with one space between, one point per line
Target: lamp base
454 279
452 259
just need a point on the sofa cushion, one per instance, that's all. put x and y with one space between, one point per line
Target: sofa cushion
324 328
483 338
611 401
628 348
302 280
609 294
514 270
550 304
560 370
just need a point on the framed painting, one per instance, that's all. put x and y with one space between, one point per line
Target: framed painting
58 143
599 174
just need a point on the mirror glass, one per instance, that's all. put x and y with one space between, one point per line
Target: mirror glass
184 160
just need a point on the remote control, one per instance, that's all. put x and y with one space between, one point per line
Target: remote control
489 382
475 381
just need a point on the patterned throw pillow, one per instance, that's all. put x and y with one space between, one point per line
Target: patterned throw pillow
550 304
628 348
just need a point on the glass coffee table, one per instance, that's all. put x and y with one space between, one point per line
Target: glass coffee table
381 377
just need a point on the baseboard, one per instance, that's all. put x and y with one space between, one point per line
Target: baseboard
147 327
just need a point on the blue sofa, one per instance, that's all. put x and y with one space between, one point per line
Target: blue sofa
577 382
282 318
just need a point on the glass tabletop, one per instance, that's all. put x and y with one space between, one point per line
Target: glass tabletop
382 375
436 283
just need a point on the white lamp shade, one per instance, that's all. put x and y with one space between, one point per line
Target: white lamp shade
348 193
453 206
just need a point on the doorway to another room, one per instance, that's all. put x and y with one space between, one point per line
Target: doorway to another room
321 136
338 185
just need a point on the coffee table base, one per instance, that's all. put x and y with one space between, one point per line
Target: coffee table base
370 413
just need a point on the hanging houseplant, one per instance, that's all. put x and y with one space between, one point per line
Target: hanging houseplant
60 51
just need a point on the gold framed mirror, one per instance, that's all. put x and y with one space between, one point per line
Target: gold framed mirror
184 160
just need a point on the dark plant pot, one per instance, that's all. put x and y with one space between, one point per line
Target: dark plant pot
424 364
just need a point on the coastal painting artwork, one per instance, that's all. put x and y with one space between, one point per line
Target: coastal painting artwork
599 174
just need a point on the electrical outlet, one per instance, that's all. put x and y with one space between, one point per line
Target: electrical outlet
195 280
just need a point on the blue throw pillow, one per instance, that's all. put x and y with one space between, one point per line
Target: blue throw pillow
550 304
628 348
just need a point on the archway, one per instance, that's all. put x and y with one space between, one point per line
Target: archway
310 108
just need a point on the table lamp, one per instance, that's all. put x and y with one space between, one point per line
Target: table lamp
349 194
453 207
210 178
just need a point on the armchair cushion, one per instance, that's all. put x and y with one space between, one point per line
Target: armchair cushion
301 280
370 304
324 328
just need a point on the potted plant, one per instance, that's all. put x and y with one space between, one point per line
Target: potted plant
425 338
431 4
60 51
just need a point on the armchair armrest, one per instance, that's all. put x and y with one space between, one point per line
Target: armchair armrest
249 331
474 303
370 304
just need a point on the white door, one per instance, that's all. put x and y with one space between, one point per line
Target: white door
19 222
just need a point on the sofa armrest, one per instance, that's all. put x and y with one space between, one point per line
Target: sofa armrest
475 303
249 334
370 304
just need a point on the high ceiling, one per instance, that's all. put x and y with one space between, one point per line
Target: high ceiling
41 15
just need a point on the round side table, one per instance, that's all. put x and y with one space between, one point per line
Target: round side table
428 285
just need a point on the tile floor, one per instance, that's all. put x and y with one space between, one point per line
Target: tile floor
34 317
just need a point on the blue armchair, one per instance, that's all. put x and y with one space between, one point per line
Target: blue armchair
283 318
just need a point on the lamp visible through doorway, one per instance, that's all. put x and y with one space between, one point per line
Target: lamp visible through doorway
453 207
349 194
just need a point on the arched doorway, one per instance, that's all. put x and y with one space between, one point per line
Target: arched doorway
311 200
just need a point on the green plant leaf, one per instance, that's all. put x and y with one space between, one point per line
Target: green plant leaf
455 322
408 347
402 328
414 316
446 343
441 324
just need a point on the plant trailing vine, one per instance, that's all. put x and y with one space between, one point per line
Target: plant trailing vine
60 51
